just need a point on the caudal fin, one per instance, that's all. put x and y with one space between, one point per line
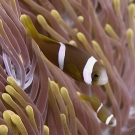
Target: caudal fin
32 30
29 26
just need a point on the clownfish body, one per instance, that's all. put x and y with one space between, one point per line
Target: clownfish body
102 112
74 61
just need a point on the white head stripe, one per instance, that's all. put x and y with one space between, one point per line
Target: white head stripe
108 119
99 107
87 71
61 55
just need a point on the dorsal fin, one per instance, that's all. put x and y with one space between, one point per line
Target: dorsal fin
32 31
47 39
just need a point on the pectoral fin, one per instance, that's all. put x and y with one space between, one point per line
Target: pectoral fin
72 71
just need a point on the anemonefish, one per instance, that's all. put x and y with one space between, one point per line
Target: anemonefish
102 112
74 61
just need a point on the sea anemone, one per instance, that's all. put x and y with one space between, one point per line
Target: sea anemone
41 99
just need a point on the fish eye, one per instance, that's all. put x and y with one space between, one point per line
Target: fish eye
95 76
111 122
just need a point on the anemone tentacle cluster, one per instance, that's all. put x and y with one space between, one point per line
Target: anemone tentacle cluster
37 98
